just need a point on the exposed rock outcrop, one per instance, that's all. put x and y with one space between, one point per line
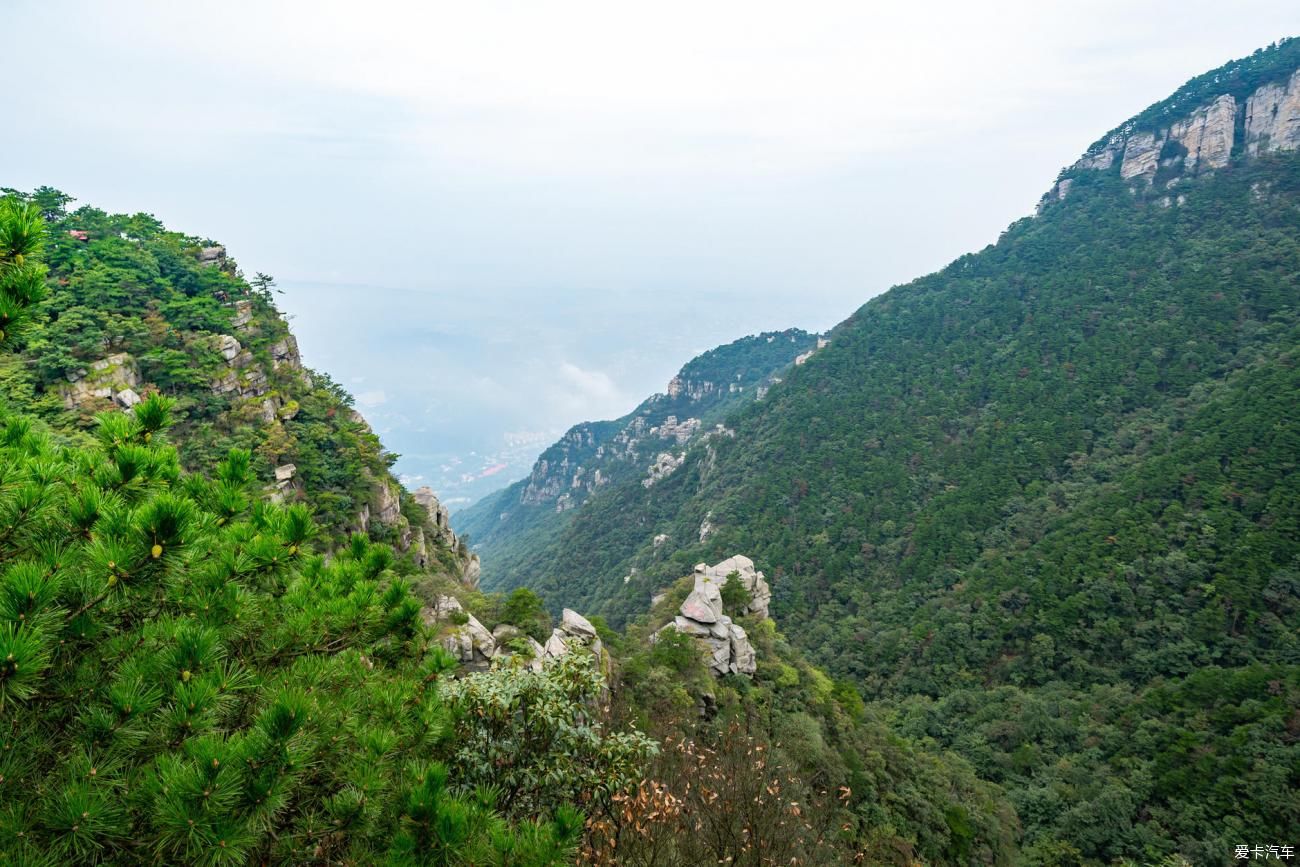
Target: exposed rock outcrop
1203 140
760 593
469 640
286 483
112 378
212 256
1206 135
701 616
473 568
439 517
665 464
244 377
575 633
1272 120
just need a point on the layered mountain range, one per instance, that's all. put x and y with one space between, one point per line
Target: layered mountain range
513 528
1042 505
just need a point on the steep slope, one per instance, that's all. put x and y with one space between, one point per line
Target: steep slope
1043 504
135 309
518 525
193 671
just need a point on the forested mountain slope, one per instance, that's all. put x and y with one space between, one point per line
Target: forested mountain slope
133 308
1043 505
519 525
195 670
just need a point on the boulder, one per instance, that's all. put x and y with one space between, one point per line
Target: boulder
573 623
109 378
760 592
285 472
229 347
215 255
555 645
701 616
470 641
700 607
127 398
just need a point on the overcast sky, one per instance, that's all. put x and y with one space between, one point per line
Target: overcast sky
506 217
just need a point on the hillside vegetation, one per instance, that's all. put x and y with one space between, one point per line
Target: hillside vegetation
1042 506
196 669
521 524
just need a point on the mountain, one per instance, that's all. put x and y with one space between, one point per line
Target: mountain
228 636
520 524
1042 506
136 309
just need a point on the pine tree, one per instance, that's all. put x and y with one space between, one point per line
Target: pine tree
183 680
22 277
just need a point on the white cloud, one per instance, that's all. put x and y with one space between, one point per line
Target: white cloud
371 399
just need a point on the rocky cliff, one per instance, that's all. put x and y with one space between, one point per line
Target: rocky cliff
1243 110
643 447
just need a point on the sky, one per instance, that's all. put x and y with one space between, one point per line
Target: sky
493 220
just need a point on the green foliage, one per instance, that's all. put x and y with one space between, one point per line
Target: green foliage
22 277
1056 478
533 736
183 680
525 609
735 596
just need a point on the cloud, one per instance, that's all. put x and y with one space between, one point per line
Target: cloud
371 399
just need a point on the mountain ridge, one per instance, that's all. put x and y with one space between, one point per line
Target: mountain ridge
1059 472
645 444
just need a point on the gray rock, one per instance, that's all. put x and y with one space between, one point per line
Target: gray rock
243 314
701 608
127 398
1273 117
229 347
575 624
555 645
285 472
690 627
1140 156
743 658
212 255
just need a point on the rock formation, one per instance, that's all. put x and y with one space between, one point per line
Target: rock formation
760 593
665 464
439 517
575 632
1273 117
286 482
468 640
1203 140
112 378
701 615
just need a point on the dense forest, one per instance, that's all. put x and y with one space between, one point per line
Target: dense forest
1042 506
1031 525
201 666
523 523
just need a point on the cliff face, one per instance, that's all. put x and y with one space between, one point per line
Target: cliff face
1176 141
